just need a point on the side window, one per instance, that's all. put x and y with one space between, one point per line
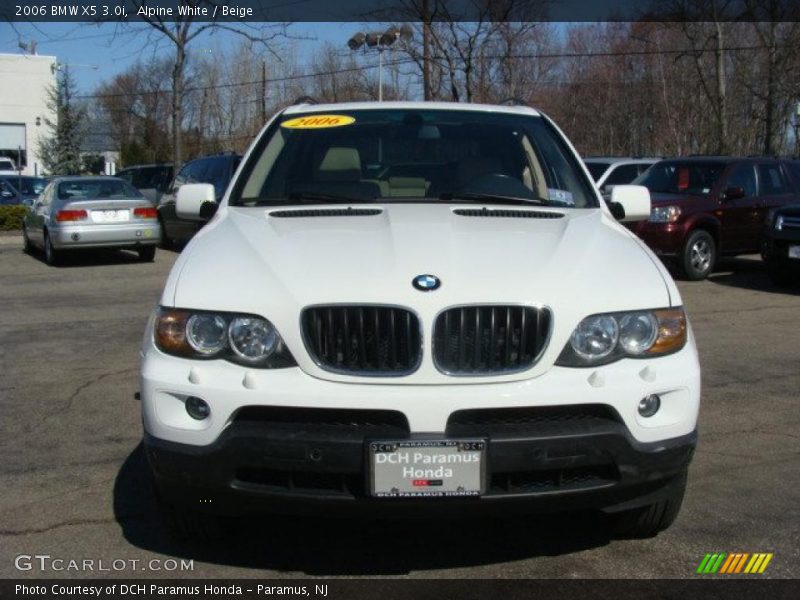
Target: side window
770 180
744 177
622 175
183 176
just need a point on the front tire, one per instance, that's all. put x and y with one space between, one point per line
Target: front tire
647 521
699 255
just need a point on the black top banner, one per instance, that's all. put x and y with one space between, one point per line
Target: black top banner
396 10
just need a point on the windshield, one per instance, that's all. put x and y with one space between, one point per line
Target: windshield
597 169
419 155
674 177
97 189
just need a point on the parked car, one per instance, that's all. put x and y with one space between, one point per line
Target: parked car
706 207
7 166
151 180
91 212
410 307
781 242
20 189
215 170
608 171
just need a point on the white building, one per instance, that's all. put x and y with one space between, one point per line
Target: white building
24 82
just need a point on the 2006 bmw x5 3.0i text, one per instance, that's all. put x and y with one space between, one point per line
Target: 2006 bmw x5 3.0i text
418 308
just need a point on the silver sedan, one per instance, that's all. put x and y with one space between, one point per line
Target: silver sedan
91 212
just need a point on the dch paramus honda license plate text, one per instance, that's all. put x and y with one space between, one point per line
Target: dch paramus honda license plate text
421 468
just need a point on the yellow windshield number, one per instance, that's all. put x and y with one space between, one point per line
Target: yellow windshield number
318 122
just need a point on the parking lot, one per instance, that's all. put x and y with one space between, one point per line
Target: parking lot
74 484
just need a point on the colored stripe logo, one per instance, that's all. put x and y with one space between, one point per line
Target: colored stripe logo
734 563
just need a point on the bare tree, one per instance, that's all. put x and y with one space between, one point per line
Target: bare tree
180 33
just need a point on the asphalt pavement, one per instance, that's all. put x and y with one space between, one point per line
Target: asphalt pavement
74 484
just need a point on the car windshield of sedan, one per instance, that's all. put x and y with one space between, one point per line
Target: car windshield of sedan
412 155
668 177
97 189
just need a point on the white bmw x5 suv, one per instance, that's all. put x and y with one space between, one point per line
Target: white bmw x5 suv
418 308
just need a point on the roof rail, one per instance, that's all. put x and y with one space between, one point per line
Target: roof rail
306 100
513 101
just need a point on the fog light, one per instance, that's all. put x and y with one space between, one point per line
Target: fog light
197 408
649 405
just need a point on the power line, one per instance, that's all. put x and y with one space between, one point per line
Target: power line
404 61
245 83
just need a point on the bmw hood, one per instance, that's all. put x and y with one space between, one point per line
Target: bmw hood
274 263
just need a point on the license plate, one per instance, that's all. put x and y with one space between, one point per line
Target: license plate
794 251
425 468
110 216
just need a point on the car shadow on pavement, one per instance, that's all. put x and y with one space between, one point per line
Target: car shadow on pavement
93 258
325 547
749 274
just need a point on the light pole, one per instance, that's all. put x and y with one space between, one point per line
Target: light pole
380 42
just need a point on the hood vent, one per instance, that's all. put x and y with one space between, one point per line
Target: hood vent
507 214
326 212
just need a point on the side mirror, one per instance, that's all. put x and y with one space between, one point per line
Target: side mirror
733 193
191 198
633 200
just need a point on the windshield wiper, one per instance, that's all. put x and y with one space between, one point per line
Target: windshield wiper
490 198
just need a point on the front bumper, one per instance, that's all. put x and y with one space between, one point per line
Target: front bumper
569 438
124 235
257 467
665 239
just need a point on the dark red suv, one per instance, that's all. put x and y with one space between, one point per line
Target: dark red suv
705 207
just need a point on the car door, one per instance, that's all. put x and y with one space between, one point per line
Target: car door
177 229
739 215
774 189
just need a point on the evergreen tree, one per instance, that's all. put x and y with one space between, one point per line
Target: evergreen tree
61 150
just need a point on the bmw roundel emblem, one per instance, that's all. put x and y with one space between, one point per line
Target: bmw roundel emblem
426 283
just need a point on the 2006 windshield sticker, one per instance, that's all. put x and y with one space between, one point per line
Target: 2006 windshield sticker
318 122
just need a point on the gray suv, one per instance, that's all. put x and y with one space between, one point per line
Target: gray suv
216 170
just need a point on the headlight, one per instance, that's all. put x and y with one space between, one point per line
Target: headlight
602 339
665 214
206 333
595 337
252 339
779 223
243 339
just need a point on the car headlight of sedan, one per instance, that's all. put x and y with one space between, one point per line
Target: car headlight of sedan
244 339
665 214
605 338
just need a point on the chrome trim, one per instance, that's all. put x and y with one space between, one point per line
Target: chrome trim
353 373
536 359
